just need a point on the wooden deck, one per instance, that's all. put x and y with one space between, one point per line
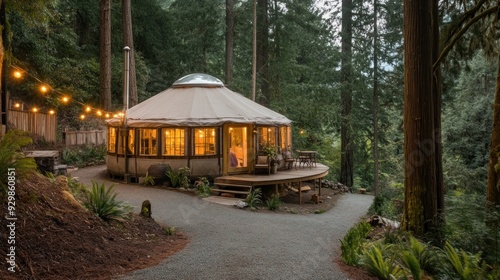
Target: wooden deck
299 175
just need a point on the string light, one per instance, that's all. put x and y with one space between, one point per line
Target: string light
45 88
18 74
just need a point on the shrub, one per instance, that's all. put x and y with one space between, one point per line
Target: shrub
179 178
466 266
84 156
351 245
253 198
203 187
148 180
11 156
103 203
274 202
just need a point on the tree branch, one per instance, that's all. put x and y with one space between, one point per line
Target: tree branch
460 33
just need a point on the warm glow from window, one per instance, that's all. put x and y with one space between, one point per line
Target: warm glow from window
121 143
267 136
173 141
147 138
112 140
204 141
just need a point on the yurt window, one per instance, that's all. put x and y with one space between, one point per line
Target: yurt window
204 141
285 137
267 136
121 142
147 140
112 139
173 140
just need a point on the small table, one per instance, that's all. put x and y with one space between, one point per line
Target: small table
307 158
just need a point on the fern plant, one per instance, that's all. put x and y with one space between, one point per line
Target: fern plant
351 244
102 202
274 202
253 198
465 266
12 158
379 265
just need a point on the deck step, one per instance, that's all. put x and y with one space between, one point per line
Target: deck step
229 191
233 185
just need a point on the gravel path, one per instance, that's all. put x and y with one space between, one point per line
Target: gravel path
229 243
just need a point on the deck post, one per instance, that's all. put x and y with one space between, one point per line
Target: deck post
319 179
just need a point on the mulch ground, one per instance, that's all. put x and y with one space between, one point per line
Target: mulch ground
56 238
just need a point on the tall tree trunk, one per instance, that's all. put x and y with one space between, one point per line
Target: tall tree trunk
263 51
105 54
3 86
375 98
493 186
420 205
128 40
346 164
437 232
254 51
229 41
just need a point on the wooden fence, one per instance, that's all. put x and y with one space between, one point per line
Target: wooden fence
88 137
37 123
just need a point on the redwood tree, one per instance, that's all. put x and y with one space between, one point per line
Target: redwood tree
346 164
493 188
420 202
105 54
229 41
128 40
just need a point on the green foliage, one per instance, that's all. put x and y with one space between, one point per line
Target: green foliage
84 155
149 180
170 230
253 198
412 263
179 178
466 266
388 202
102 202
203 187
11 156
352 243
274 202
379 264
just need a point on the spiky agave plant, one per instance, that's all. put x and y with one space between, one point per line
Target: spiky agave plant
102 202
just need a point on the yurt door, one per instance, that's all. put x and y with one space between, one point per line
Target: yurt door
237 145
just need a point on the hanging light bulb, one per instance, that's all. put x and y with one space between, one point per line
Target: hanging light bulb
35 109
82 116
107 115
65 99
99 113
88 109
52 112
44 88
17 105
18 74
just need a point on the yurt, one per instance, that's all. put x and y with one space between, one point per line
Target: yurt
197 123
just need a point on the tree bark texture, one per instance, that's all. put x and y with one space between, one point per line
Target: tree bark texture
128 40
254 51
493 186
3 92
375 98
263 52
347 164
437 100
229 41
420 205
105 54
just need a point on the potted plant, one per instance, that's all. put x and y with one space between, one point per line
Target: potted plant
272 153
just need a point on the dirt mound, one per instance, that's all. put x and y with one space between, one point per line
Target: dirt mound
56 238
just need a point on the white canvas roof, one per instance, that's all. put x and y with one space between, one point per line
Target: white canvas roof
199 100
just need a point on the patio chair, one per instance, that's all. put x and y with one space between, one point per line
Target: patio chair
262 162
288 159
